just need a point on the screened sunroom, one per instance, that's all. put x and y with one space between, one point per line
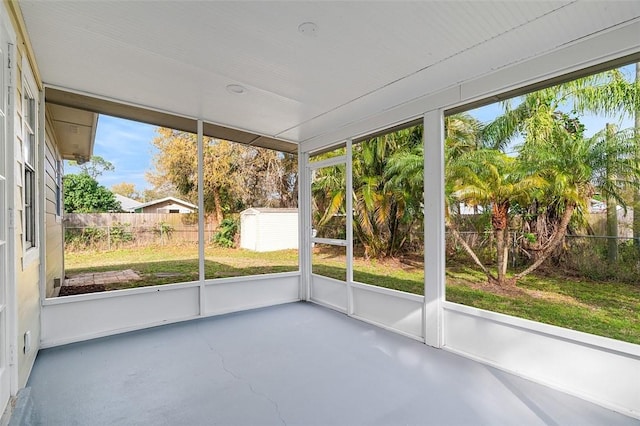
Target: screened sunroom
448 269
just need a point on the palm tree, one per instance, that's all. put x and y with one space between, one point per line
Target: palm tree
387 190
328 191
575 167
539 117
615 97
615 169
491 178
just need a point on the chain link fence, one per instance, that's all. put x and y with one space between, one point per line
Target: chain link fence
112 231
590 256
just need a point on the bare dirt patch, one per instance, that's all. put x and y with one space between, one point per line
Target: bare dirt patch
96 282
71 290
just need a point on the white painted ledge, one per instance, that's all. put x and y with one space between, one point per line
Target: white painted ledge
594 368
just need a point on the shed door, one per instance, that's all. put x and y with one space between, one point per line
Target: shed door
4 349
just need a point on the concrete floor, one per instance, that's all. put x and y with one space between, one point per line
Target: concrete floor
290 364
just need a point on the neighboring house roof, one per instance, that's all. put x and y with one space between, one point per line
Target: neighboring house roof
162 200
127 204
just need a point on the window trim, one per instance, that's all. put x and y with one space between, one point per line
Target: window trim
30 164
59 189
544 84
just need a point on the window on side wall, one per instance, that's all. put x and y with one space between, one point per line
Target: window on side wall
30 155
59 174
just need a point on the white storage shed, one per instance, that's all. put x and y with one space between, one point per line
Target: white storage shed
269 229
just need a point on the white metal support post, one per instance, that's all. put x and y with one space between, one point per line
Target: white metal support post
304 224
201 224
434 260
349 224
42 199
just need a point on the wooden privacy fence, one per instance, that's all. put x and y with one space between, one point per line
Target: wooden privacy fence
111 230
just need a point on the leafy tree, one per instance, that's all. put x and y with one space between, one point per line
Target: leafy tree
126 189
83 194
574 168
162 191
613 174
491 178
539 119
636 193
94 167
235 176
569 167
387 191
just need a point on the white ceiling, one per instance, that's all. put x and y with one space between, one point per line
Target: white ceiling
366 57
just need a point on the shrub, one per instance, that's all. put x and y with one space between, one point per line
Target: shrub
164 229
82 238
224 236
120 233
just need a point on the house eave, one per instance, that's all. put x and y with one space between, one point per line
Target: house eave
75 131
113 108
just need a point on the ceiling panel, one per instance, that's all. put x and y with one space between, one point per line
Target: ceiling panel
365 57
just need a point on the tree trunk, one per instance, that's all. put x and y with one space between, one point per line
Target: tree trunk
471 253
500 244
636 190
217 206
612 206
554 241
612 230
500 222
505 252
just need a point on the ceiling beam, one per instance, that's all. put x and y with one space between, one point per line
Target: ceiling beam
163 119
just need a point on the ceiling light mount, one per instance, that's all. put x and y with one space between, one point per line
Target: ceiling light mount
236 89
309 29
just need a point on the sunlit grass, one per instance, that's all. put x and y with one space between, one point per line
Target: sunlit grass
604 308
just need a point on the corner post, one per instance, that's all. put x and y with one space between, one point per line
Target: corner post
434 229
201 270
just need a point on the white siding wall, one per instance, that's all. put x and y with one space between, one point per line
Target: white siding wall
277 231
54 259
268 231
27 264
248 231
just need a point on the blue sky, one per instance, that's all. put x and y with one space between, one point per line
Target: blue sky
592 123
126 144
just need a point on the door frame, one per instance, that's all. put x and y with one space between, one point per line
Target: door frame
8 87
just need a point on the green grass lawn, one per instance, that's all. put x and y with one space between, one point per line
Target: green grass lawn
179 263
604 308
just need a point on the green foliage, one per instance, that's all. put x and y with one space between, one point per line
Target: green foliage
605 308
94 167
78 239
564 167
164 229
128 190
120 233
387 194
83 194
94 237
225 235
235 175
